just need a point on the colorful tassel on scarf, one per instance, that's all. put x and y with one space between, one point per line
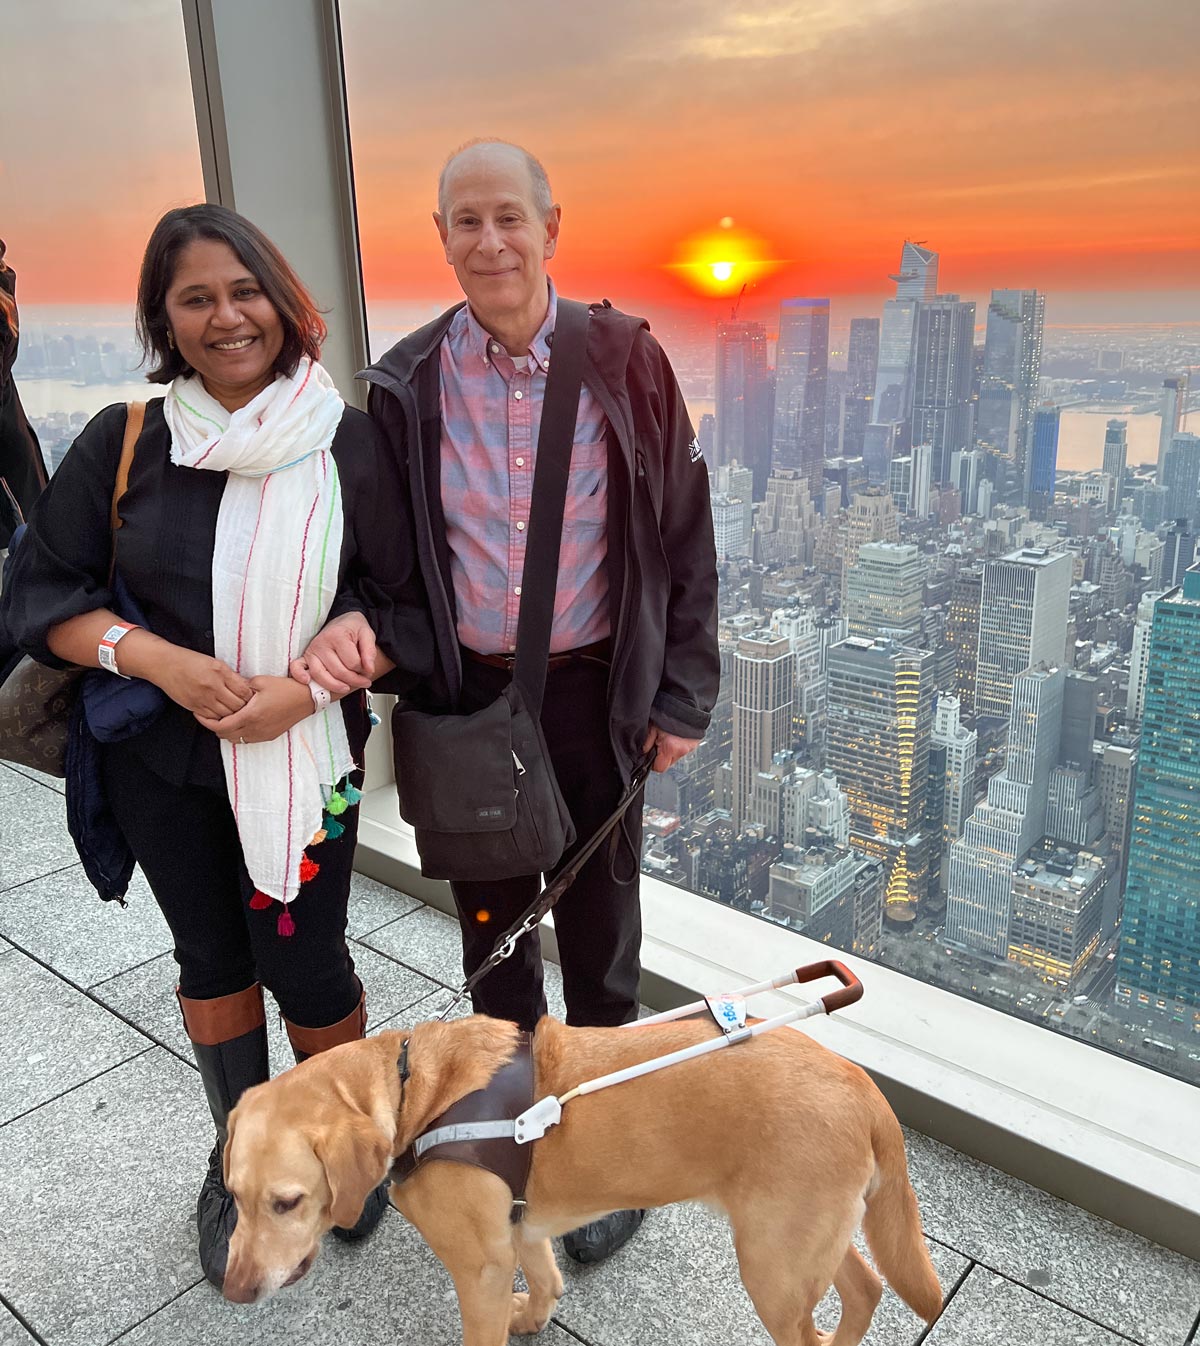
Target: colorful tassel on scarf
309 869
285 925
260 901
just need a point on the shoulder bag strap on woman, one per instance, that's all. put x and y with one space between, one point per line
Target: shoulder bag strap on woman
135 418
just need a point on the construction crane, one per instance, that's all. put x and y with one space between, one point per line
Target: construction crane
733 312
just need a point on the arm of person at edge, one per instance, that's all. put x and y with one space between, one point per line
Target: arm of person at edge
691 662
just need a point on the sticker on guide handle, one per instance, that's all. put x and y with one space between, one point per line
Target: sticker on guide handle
728 1010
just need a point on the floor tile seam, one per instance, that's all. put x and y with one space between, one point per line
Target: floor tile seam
384 925
39 878
125 971
1048 1298
946 1302
87 991
166 1304
79 1084
408 967
20 1317
33 780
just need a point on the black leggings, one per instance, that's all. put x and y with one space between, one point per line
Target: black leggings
186 841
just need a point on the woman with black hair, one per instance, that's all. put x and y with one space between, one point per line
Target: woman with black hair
22 470
258 507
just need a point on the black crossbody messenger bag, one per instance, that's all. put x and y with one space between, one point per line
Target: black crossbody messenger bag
479 789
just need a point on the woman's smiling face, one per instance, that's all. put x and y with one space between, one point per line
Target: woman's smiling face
223 323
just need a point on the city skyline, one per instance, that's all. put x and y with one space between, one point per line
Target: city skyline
809 126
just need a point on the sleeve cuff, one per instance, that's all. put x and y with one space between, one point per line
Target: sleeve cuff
679 717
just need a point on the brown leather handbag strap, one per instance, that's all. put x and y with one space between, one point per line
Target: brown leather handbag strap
135 418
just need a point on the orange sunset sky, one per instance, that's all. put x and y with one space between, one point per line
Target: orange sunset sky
1047 143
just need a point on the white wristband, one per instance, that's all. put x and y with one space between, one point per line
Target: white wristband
106 653
321 698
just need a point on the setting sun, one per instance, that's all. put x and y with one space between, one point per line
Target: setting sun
720 261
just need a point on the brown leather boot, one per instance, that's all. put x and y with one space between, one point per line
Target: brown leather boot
308 1042
229 1040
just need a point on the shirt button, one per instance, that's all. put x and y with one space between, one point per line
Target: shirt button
518 394
495 348
517 591
520 462
520 527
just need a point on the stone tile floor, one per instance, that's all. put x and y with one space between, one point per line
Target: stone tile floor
104 1136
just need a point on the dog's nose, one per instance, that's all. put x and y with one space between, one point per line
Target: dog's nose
240 1292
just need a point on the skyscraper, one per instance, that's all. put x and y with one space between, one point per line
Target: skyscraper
763 688
1139 659
1179 551
743 393
959 744
1172 409
862 364
1009 821
879 448
1158 958
915 281
920 494
880 708
801 374
1022 621
1115 455
1043 461
787 522
962 633
1180 475
1012 362
884 592
943 344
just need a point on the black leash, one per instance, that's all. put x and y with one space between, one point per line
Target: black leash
532 917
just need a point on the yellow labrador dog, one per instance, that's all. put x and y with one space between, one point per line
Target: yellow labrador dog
795 1145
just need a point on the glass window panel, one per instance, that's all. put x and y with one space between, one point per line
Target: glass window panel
99 139
924 287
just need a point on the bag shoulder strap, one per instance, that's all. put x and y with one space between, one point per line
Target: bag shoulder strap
556 439
135 418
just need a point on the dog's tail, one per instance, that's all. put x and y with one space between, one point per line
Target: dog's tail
892 1223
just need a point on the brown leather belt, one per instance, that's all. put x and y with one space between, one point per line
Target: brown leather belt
600 650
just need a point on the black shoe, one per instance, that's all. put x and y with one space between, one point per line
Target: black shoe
216 1218
600 1239
376 1203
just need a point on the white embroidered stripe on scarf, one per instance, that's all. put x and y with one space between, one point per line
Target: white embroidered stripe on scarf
274 573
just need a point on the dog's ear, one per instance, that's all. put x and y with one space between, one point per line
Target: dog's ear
230 1123
355 1156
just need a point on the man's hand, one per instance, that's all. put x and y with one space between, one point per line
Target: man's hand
275 706
670 748
340 657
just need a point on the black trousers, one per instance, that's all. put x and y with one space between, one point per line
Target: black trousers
598 920
186 841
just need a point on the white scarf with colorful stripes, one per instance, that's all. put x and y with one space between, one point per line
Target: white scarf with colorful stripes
274 576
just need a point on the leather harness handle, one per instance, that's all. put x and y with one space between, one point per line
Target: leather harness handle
852 988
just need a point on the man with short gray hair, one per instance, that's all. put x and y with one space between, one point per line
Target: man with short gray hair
634 664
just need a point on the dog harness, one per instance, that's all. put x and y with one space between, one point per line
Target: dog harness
479 1129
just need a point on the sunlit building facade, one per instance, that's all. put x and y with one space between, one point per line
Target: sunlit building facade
880 717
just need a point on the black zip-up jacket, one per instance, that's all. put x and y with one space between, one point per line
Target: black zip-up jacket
661 557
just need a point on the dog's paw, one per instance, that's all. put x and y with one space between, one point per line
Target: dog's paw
523 1323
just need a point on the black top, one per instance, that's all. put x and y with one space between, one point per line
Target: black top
164 555
21 464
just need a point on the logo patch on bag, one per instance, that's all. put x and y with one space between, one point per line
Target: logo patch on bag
486 815
695 452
